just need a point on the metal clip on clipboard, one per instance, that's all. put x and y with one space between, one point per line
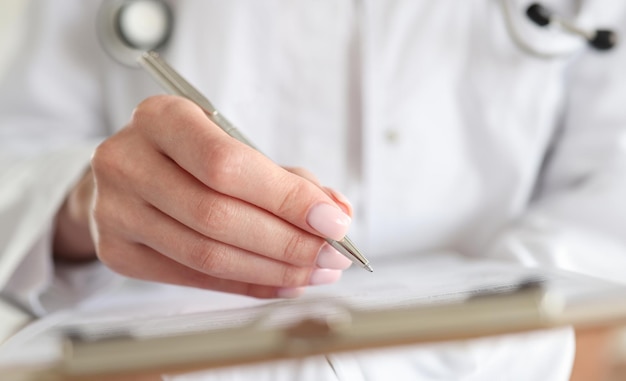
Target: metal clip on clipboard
343 329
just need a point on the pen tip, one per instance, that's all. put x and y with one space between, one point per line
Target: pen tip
369 268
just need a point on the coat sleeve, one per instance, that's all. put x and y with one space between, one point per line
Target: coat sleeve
577 220
50 122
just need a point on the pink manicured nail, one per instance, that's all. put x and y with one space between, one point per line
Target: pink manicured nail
290 292
329 221
324 276
329 258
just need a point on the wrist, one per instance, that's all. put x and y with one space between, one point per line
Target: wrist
72 237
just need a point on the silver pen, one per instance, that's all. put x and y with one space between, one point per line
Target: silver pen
176 84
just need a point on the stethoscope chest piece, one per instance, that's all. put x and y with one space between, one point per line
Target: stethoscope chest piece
127 28
600 39
543 33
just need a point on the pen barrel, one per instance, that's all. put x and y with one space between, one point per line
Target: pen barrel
349 250
228 127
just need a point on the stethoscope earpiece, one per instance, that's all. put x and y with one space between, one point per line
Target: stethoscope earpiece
600 39
127 28
144 24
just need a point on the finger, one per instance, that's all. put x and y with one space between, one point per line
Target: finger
341 200
217 259
146 225
228 220
184 133
142 262
183 197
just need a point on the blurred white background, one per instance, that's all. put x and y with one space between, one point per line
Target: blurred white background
12 28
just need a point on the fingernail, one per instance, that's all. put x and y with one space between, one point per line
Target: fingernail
324 276
290 292
329 258
340 199
329 221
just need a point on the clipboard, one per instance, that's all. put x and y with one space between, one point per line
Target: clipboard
329 325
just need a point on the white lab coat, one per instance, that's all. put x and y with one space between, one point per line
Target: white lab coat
427 115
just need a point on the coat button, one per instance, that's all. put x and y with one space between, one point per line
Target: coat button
392 136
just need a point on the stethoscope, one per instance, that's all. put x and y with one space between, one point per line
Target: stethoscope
542 17
127 28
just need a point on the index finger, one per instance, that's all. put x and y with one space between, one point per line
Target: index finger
181 130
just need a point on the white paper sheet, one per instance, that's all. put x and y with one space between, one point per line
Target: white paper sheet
145 309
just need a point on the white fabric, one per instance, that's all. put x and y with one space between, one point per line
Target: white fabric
443 133
508 358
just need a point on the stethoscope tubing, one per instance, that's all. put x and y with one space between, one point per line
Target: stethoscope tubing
121 48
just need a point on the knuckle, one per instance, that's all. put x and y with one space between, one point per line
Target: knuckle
225 164
144 113
293 276
288 204
146 109
104 157
294 251
212 259
152 111
110 256
213 214
110 160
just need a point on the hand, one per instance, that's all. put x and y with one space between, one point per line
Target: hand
177 200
